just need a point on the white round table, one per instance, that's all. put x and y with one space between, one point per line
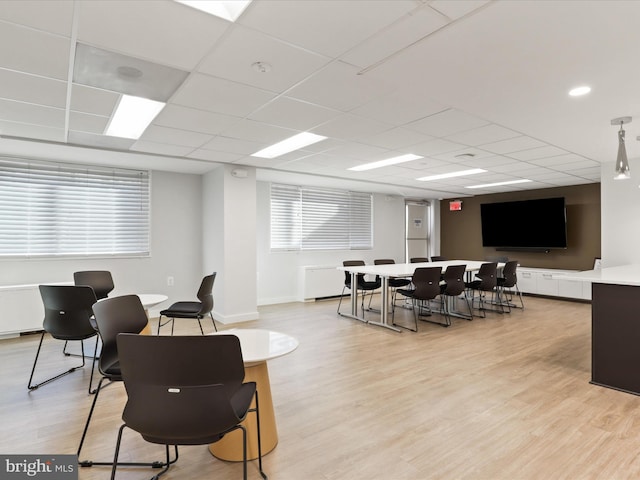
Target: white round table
257 346
149 300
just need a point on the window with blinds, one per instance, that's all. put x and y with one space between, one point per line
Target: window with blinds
51 209
319 219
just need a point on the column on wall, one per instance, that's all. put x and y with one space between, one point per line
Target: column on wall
229 241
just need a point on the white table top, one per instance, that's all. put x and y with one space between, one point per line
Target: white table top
149 300
261 345
622 275
408 269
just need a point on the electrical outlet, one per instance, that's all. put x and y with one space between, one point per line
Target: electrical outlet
170 281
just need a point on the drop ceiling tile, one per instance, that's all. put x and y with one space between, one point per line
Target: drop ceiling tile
468 154
242 47
493 162
401 106
84 122
93 100
515 144
160 148
540 152
212 155
38 52
21 112
446 123
486 134
32 89
433 147
292 113
100 141
54 17
38 132
220 96
457 9
258 132
165 135
314 26
396 37
424 165
159 40
326 145
396 138
233 145
193 119
360 152
339 86
350 127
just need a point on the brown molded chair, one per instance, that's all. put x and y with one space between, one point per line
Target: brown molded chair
67 310
487 282
426 281
363 285
419 260
100 280
185 390
438 258
114 316
452 288
195 310
507 283
394 282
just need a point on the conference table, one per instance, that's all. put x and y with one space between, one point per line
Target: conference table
387 271
258 346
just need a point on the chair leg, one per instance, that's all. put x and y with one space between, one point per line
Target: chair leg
200 325
166 464
213 321
93 367
341 295
30 386
257 410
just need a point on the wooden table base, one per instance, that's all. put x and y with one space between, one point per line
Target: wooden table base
230 447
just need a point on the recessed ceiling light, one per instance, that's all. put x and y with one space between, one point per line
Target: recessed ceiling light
290 144
497 184
579 91
459 173
133 116
227 9
465 156
385 163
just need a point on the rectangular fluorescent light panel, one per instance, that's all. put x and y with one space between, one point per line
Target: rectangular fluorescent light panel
459 173
290 144
133 116
385 163
228 9
510 182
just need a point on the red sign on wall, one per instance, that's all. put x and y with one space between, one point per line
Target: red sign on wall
455 205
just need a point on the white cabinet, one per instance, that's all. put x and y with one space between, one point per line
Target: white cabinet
549 282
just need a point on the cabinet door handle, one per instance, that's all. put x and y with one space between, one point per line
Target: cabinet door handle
526 274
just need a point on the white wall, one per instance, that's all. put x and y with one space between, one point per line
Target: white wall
278 272
620 213
176 245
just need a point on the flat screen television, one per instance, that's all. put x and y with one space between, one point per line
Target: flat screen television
526 224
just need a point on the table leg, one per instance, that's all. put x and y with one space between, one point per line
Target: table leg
354 300
384 308
230 447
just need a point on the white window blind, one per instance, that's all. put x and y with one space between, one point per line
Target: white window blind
50 209
318 219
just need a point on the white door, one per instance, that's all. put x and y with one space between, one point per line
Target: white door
417 229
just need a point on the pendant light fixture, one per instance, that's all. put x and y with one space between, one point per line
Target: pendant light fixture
622 165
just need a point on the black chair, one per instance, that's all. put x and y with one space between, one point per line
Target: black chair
487 281
394 282
507 283
438 258
185 390
426 281
100 280
67 310
195 310
362 285
452 288
113 316
419 260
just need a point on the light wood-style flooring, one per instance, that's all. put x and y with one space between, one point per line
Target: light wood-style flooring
505 397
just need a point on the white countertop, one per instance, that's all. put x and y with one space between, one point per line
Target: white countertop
622 275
